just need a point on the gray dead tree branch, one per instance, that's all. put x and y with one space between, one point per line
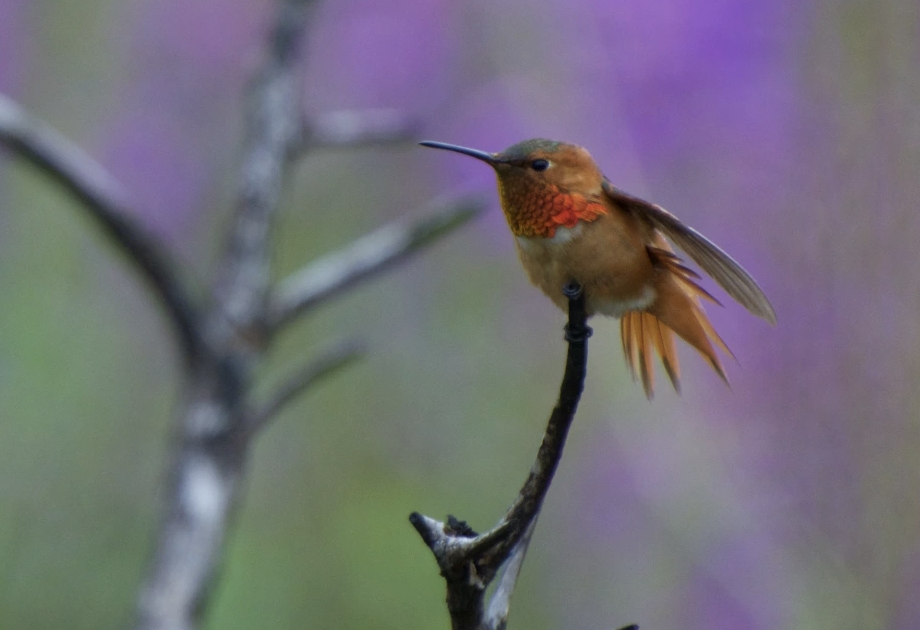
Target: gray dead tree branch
224 336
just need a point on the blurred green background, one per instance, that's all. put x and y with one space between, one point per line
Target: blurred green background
786 131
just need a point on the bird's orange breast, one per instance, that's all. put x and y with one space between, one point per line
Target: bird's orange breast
539 213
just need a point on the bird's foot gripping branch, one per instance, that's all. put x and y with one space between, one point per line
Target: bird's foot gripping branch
469 561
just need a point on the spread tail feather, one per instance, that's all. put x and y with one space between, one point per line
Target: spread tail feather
676 309
641 331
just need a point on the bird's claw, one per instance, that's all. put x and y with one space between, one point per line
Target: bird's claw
571 290
577 334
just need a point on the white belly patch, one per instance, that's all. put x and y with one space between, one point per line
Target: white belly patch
562 236
616 308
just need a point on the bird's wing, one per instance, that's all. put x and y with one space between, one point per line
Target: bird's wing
731 276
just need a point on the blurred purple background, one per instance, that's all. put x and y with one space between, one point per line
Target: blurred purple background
787 132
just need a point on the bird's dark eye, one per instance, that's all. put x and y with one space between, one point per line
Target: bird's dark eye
539 165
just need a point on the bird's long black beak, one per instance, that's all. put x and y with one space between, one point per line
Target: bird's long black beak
489 158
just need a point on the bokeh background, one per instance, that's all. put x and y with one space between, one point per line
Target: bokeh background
786 131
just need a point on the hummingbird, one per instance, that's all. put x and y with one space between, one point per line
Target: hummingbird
570 223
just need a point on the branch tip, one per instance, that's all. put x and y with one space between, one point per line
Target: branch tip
429 529
324 364
355 128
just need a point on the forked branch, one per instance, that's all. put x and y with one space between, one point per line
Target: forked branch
470 562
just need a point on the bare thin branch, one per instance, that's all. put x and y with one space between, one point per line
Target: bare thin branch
106 202
273 129
469 564
329 361
500 540
212 450
350 128
339 271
